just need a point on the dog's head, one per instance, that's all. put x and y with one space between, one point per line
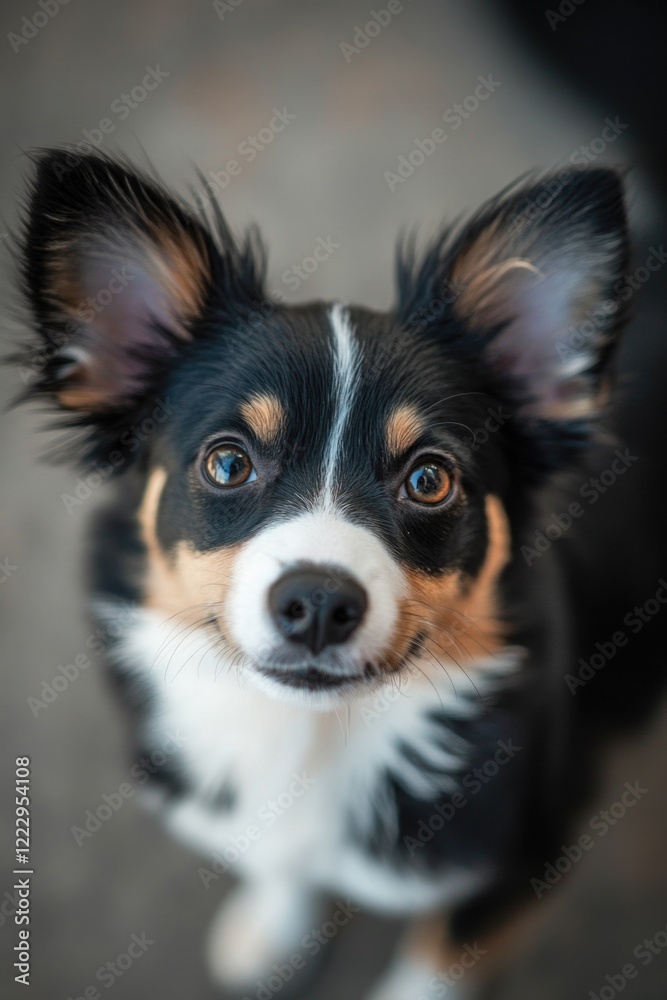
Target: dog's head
331 490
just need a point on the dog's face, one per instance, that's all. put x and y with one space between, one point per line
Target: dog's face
318 487
328 491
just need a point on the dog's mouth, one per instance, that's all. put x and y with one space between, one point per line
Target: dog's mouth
312 678
309 677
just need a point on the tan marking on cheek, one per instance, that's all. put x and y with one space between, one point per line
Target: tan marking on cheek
462 619
403 429
184 585
497 556
149 508
205 579
264 416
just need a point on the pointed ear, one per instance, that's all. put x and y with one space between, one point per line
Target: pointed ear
116 272
538 273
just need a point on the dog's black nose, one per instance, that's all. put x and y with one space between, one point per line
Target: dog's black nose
317 607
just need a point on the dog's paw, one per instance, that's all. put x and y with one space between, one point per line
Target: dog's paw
255 933
407 979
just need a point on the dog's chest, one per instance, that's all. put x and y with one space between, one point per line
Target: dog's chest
275 789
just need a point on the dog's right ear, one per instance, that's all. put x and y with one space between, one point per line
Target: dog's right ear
116 272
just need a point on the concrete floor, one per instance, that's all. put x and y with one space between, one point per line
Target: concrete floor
323 176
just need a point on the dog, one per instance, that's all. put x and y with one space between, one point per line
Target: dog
338 535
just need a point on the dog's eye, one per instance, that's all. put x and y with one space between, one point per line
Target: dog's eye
429 482
229 465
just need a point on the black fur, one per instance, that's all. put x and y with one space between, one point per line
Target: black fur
422 352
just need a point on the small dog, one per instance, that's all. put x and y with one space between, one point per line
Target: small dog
319 521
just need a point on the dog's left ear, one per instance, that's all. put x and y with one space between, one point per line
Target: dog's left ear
536 278
542 268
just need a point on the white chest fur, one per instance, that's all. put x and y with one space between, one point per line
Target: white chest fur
296 778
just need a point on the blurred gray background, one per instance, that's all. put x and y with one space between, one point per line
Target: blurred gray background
322 177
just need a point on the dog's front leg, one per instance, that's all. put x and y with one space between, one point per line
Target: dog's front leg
429 964
259 925
426 965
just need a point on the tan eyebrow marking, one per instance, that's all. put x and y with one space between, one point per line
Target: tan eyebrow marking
264 416
403 428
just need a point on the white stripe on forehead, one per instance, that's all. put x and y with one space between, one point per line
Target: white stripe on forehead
346 378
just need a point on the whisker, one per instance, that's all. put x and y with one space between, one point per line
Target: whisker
164 643
452 423
456 395
440 665
467 676
185 634
340 724
425 675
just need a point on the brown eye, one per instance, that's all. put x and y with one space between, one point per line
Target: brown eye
429 482
229 465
